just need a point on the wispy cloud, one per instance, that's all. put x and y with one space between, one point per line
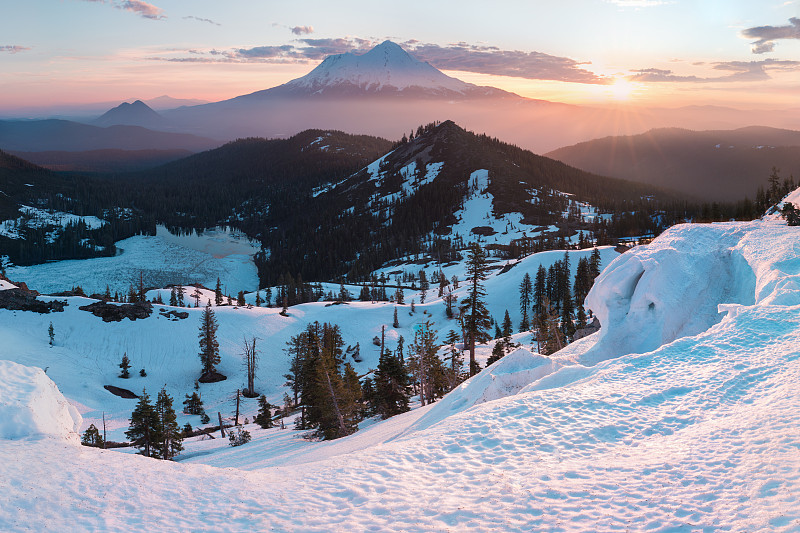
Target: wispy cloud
767 35
740 71
192 17
462 57
302 30
492 60
13 48
141 8
148 11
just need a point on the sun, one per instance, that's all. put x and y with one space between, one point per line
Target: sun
621 89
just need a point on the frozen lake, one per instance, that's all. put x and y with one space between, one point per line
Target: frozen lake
161 260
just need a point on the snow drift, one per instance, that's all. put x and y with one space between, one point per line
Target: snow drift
31 406
655 294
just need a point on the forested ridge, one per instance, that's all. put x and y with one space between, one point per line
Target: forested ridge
320 214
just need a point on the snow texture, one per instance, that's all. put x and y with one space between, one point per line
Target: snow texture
678 417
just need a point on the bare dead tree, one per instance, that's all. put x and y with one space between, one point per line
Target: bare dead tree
250 363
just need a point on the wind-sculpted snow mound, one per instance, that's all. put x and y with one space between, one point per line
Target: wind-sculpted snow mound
670 289
32 406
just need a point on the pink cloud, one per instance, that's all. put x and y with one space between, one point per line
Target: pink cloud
13 48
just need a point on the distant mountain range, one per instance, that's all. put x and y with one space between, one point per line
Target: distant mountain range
712 165
386 92
109 160
65 135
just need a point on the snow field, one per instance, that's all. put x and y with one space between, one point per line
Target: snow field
678 418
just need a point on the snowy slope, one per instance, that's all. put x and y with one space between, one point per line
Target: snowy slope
39 218
674 433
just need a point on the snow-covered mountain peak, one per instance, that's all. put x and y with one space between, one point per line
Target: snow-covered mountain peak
385 69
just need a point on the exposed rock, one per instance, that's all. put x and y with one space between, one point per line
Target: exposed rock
485 231
175 315
115 313
588 330
212 377
20 299
122 393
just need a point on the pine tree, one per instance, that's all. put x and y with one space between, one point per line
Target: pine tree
391 387
508 327
395 322
193 404
594 264
525 293
240 301
790 213
218 294
170 441
51 333
143 431
456 359
91 437
425 364
264 416
180 292
125 366
539 289
268 297
258 298
549 336
473 307
173 298
583 281
209 347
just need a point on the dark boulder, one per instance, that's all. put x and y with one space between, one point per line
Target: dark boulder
116 312
20 299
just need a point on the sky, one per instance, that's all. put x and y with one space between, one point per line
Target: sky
741 53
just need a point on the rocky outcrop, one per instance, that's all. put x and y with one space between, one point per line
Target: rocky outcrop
119 391
593 327
19 299
116 312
